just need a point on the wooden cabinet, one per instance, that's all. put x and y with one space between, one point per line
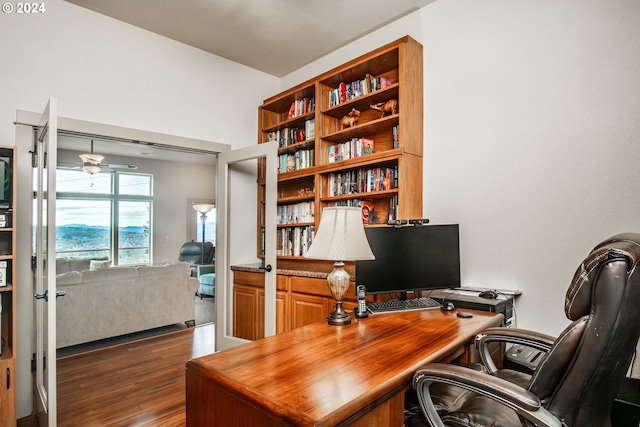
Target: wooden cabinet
376 159
299 301
248 305
8 392
7 288
306 309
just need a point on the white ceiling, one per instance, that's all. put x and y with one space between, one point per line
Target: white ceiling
273 36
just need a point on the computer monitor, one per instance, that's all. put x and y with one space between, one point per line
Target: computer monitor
411 258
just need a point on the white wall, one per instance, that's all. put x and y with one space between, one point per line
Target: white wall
531 135
106 71
102 70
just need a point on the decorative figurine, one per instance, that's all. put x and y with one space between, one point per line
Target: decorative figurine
350 119
386 108
369 215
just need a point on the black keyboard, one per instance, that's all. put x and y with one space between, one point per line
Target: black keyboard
402 305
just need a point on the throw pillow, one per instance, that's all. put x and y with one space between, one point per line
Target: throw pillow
95 264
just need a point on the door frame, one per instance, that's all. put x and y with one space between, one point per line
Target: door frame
25 122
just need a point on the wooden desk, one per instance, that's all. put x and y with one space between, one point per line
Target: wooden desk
320 375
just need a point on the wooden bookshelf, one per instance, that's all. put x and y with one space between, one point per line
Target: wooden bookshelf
8 289
307 172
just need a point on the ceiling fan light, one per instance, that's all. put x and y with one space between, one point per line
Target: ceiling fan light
91 168
92 158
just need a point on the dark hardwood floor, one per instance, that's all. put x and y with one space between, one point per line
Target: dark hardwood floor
140 383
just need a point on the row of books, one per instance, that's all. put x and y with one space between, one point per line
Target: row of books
348 91
297 213
292 135
363 181
302 106
353 203
301 159
294 241
357 147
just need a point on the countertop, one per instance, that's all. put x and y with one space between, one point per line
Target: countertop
255 268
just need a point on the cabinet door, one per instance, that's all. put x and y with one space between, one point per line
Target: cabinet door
245 309
282 314
7 393
306 309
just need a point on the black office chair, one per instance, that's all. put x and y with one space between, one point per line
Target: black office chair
578 377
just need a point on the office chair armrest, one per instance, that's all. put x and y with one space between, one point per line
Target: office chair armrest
526 337
207 268
502 391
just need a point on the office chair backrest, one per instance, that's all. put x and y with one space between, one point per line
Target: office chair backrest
579 378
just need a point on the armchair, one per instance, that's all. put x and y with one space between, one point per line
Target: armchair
191 252
203 269
578 377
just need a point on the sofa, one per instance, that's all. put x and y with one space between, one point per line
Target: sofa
110 301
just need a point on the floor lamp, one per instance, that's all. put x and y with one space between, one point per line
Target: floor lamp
340 238
203 209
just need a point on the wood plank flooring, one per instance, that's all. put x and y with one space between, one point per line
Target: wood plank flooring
141 383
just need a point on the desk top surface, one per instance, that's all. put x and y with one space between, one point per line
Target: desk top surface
319 374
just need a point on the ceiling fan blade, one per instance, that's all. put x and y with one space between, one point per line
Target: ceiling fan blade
106 169
69 166
120 166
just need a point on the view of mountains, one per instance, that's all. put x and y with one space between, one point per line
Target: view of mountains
82 237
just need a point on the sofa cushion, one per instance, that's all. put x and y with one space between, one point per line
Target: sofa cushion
97 263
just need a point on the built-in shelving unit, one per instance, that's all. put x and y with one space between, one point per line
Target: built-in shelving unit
7 287
375 159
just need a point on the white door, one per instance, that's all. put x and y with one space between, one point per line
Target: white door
237 172
45 147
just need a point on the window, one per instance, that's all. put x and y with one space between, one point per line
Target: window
104 215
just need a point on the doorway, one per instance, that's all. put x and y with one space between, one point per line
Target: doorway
119 141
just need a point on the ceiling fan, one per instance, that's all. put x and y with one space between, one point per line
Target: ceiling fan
92 163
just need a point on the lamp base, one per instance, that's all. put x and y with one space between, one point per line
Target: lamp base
338 282
338 316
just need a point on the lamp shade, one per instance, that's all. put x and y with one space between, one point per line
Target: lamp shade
340 236
203 208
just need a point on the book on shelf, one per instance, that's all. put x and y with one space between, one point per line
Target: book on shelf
393 208
396 136
302 106
356 147
3 273
310 129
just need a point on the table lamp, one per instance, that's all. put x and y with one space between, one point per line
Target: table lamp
203 209
340 238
